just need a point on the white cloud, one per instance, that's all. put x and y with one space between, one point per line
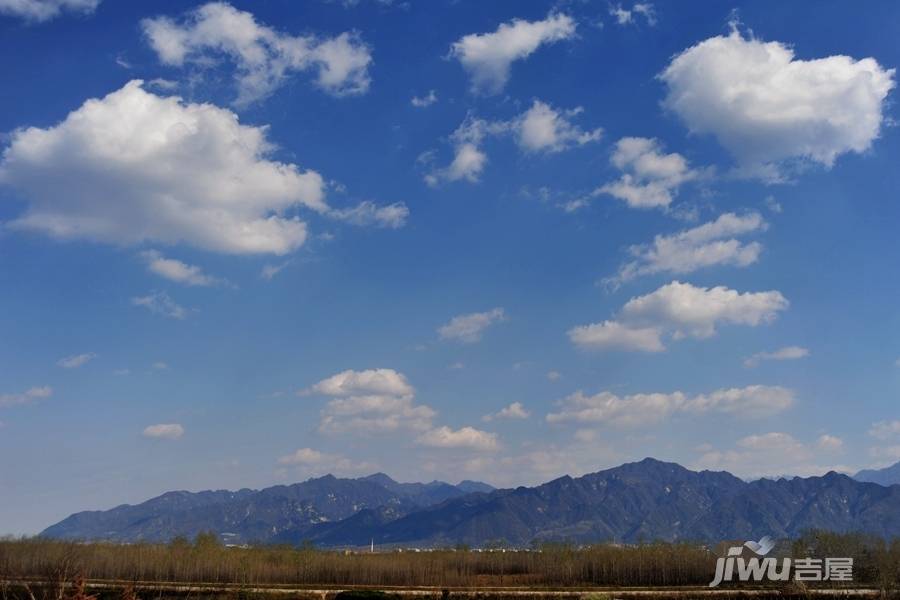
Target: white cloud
554 375
514 411
269 272
424 101
625 16
264 57
373 400
706 245
167 431
487 57
885 430
310 460
135 167
76 360
612 334
469 328
771 454
160 303
26 397
160 365
679 309
392 216
786 353
541 128
466 438
650 178
753 401
176 270
44 10
765 106
829 443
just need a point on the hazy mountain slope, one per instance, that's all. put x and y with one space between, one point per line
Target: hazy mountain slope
886 476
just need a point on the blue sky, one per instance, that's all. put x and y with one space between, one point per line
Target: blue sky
245 244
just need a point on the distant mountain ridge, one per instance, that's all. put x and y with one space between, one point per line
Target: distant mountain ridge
646 500
886 476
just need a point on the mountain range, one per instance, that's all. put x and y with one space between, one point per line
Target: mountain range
646 500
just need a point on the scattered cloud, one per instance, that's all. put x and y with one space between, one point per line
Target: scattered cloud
314 461
487 57
786 353
540 129
26 397
623 16
885 430
269 272
134 167
830 443
424 101
650 178
176 270
469 328
373 400
711 244
166 431
464 438
680 310
367 213
264 58
765 106
771 455
514 411
36 11
76 360
160 303
753 401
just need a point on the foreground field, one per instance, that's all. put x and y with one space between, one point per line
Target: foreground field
50 570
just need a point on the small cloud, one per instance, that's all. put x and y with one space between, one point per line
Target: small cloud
167 431
629 17
424 101
160 365
26 397
76 360
469 328
464 438
514 411
160 303
786 353
122 372
177 271
367 213
554 375
457 366
270 271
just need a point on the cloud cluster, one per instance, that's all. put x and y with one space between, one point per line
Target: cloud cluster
646 409
469 328
373 400
166 431
540 129
786 353
264 57
773 454
26 397
487 57
314 461
630 16
765 106
711 244
678 309
424 101
465 437
134 167
383 401
650 178
44 10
